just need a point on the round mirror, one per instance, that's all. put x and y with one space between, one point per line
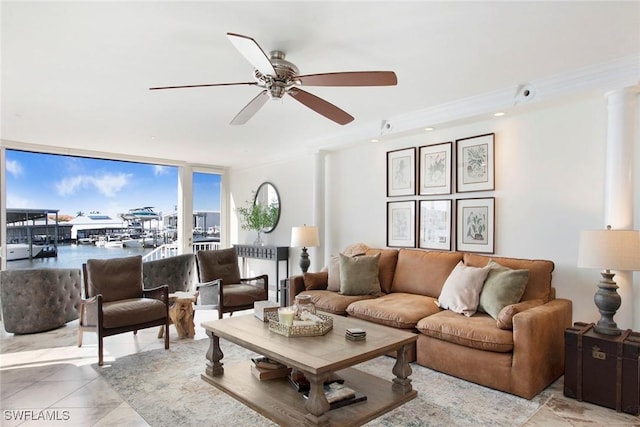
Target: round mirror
268 199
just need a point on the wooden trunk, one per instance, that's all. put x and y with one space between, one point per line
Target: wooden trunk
602 369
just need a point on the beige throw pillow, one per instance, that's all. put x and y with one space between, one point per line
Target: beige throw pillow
359 275
503 287
461 290
333 279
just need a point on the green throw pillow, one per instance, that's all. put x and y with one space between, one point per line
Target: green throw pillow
359 275
503 287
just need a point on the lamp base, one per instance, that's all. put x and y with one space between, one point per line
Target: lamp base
608 302
304 260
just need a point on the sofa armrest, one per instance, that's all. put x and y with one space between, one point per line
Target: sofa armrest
538 345
296 285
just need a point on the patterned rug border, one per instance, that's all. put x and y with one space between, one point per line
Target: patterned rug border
151 382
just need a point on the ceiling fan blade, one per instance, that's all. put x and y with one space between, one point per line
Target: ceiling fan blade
205 85
250 109
350 78
252 51
321 106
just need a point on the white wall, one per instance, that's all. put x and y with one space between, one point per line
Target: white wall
549 186
294 183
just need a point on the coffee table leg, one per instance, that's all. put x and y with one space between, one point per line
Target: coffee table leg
402 370
214 355
317 404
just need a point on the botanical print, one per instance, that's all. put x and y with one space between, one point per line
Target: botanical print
475 164
401 170
401 223
435 224
435 169
475 225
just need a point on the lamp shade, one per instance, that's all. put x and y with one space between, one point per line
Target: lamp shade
305 236
610 250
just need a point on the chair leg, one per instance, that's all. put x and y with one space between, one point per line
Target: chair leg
219 314
79 336
166 336
100 350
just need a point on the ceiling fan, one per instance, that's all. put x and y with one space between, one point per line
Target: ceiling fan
278 77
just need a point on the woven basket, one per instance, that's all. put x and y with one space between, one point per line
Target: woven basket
300 330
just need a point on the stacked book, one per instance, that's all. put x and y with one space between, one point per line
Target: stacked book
339 395
264 368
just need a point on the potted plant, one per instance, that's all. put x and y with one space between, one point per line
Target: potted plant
258 217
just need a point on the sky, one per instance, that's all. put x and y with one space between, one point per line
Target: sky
76 184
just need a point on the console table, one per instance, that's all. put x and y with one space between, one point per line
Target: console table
269 253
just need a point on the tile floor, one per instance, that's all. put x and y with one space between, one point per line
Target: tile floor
46 379
46 375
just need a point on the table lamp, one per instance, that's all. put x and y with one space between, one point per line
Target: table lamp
609 250
305 237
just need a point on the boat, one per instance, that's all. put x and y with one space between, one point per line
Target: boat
113 244
16 251
132 243
141 214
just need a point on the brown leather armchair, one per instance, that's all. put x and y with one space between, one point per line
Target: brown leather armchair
219 269
116 301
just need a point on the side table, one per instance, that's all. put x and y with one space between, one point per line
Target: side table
602 369
181 313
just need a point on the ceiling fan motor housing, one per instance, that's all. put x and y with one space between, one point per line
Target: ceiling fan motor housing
285 73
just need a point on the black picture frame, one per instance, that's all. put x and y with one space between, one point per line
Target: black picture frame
401 172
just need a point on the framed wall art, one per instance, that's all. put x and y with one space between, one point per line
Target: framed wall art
475 163
435 169
401 224
401 172
475 230
434 224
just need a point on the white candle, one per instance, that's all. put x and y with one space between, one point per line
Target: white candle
285 315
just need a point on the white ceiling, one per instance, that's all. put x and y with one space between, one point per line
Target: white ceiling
76 74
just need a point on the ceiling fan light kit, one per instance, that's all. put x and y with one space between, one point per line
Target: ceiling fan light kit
277 77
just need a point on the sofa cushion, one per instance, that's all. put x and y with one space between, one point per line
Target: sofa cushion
478 331
333 279
316 281
115 278
132 311
398 310
503 287
461 290
333 302
386 266
539 284
505 317
423 272
359 275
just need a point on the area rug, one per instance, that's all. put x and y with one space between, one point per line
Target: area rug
165 388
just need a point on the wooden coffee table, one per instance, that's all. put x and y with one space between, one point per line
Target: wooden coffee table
318 358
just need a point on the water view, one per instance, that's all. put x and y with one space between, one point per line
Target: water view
72 256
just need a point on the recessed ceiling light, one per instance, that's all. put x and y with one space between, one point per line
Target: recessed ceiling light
428 129
375 140
499 114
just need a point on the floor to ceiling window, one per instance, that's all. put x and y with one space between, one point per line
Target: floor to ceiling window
61 210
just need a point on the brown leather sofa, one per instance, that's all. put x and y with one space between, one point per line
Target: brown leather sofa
521 361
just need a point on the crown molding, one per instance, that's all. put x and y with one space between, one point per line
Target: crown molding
616 74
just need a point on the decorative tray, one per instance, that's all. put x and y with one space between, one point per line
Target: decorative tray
300 330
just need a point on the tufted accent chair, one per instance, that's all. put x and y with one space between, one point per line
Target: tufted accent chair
177 272
38 300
